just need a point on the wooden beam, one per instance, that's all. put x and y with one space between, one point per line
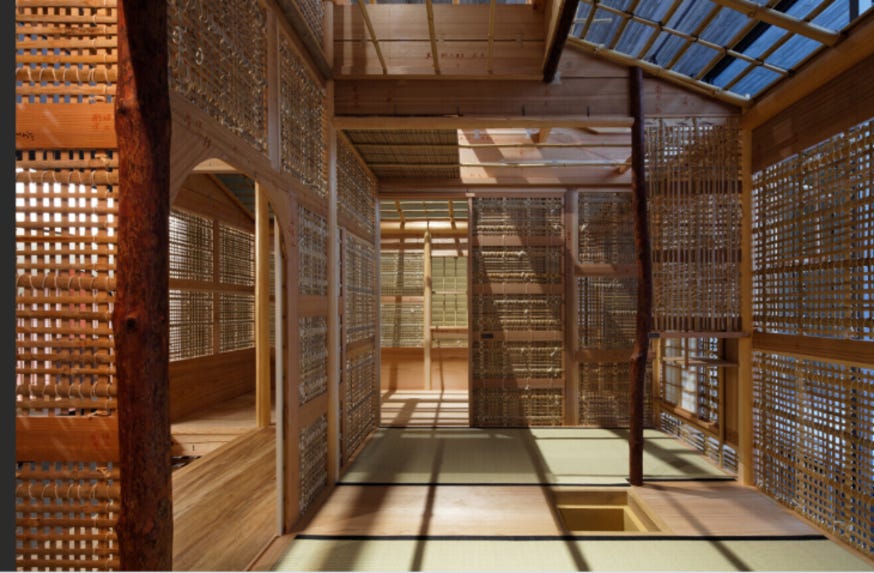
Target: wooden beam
334 337
605 270
498 164
476 122
856 47
659 72
140 315
571 295
746 462
781 20
539 138
426 308
849 352
490 50
66 438
262 308
363 7
559 39
65 126
644 281
432 35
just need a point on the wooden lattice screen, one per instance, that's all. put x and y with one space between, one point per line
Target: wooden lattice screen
517 356
67 492
813 283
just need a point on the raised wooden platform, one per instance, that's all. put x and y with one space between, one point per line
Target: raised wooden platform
224 505
205 430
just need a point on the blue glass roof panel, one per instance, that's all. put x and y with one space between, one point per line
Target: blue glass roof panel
604 27
664 48
793 52
689 15
724 27
634 38
755 82
694 60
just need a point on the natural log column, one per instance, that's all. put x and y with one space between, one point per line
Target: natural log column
139 319
644 282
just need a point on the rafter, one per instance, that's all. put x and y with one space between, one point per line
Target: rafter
559 39
477 122
433 36
369 24
781 20
492 5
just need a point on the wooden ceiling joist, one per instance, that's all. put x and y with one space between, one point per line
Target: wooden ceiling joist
492 5
660 72
476 122
433 36
373 38
559 39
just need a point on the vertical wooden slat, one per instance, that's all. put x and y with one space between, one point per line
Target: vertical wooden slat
334 279
572 365
426 310
140 317
262 308
279 304
644 281
746 471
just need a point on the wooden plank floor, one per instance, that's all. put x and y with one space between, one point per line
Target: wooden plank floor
425 409
205 430
224 505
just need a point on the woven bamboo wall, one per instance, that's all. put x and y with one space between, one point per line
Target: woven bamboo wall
356 197
222 73
312 233
517 352
303 121
813 281
449 299
693 179
66 509
313 448
401 288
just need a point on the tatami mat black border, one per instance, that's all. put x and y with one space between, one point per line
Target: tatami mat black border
537 484
649 537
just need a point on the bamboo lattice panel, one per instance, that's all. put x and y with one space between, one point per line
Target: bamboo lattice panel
606 312
356 189
814 442
67 51
514 408
360 401
402 324
359 289
65 244
813 239
191 324
218 62
313 341
707 445
449 299
303 121
605 228
604 394
692 387
236 256
524 217
494 361
313 12
191 246
402 273
531 264
693 179
313 443
312 253
66 514
495 313
236 321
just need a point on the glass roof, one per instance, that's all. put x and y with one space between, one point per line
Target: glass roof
714 44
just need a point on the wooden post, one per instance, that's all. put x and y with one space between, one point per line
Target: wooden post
140 322
335 341
746 471
426 311
262 308
644 281
559 39
572 364
279 297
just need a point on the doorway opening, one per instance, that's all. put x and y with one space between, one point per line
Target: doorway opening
424 263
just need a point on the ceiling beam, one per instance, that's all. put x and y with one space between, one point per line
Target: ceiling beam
492 5
433 36
559 39
425 146
476 122
660 72
763 13
501 164
363 6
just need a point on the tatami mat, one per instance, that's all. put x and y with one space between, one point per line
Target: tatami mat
595 554
567 456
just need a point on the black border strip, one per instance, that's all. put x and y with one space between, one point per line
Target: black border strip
648 537
535 484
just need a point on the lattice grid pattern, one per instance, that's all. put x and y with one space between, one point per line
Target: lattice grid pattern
313 444
526 217
359 289
814 441
360 402
236 256
312 253
604 394
402 324
313 341
703 443
402 273
356 189
191 246
218 62
313 12
605 228
512 407
692 387
531 264
67 52
504 360
191 324
303 121
813 237
517 312
66 514
693 179
65 244
236 321
607 312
